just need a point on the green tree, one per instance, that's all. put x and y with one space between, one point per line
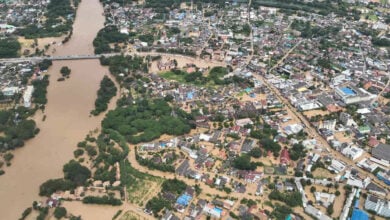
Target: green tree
65 71
59 212
77 173
256 152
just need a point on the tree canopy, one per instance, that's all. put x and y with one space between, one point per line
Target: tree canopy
146 120
76 173
9 47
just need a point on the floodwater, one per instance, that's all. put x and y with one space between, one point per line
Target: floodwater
67 118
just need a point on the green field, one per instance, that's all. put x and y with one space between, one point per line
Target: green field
140 186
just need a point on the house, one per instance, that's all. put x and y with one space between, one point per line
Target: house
325 199
381 207
183 168
384 176
285 157
382 152
373 188
247 146
316 213
259 189
244 121
352 152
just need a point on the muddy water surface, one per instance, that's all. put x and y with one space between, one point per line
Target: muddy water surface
67 118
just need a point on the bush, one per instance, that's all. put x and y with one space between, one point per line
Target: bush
256 152
50 186
65 71
78 152
105 200
291 199
8 157
26 213
59 212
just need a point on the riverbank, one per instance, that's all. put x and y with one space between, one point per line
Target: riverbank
67 117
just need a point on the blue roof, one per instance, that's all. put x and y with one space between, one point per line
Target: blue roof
358 214
184 200
190 95
357 203
348 91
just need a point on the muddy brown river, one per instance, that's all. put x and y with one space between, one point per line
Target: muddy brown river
67 121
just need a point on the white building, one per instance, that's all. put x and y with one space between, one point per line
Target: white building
352 152
10 91
337 166
27 96
381 207
350 95
326 199
328 124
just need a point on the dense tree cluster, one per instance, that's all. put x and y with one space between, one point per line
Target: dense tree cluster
256 152
146 120
9 47
243 162
51 186
76 172
297 151
292 199
16 127
124 67
318 7
381 42
45 64
174 186
106 36
156 204
104 200
106 91
40 90
270 145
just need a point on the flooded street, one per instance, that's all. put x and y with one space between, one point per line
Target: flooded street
67 121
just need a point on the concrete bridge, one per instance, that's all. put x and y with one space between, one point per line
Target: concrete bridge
97 56
70 57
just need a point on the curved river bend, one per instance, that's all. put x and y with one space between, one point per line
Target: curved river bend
67 122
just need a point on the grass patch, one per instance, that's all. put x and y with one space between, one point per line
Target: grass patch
140 186
130 215
172 76
321 173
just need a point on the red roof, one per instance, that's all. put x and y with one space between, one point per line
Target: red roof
284 156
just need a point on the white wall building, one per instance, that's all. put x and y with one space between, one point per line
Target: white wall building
27 96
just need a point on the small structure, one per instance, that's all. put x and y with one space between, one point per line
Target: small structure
27 96
284 157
